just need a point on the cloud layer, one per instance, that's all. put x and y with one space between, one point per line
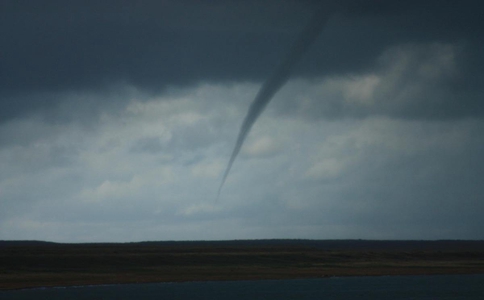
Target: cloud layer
116 122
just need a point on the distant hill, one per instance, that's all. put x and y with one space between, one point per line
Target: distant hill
402 245
24 243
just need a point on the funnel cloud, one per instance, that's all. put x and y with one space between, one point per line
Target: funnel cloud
275 82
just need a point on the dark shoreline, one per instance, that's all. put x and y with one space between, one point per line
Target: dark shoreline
28 264
209 281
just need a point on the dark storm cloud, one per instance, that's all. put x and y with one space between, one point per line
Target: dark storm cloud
53 46
59 46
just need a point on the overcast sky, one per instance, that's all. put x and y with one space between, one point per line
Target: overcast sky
118 118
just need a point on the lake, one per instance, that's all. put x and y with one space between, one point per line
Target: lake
383 287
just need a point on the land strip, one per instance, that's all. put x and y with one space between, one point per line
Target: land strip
41 264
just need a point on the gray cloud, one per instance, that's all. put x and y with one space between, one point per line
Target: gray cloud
61 46
412 81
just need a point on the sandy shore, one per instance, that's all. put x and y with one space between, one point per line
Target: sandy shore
37 264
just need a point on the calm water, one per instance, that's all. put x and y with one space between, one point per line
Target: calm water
392 287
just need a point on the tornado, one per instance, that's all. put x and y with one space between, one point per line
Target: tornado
275 82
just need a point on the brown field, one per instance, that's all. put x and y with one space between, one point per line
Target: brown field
36 264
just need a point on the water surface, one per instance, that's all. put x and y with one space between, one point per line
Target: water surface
384 287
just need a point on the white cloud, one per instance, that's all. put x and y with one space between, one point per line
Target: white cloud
327 168
261 147
208 169
360 89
